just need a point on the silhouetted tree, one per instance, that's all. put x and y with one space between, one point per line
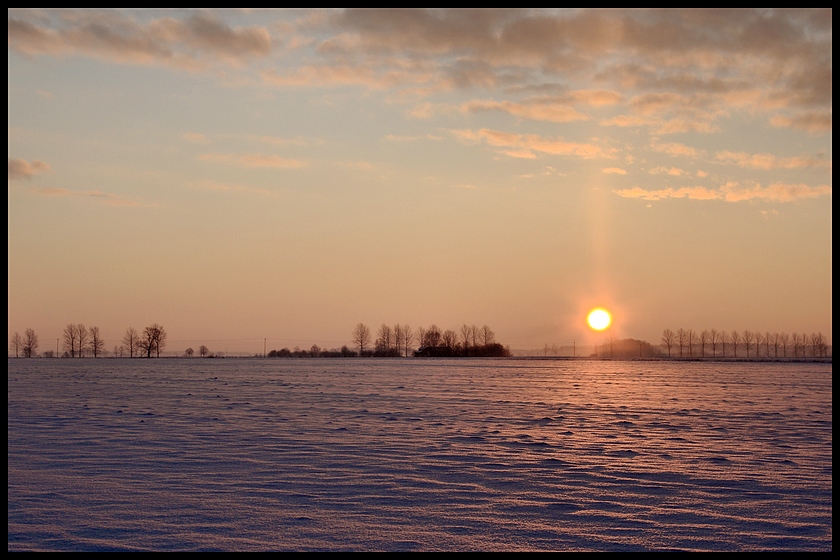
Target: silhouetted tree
384 338
361 337
724 338
71 335
748 337
768 339
704 339
399 337
784 340
487 336
668 338
682 339
96 344
16 344
131 340
153 340
466 338
408 336
449 339
81 339
735 339
714 339
189 352
203 351
433 336
30 344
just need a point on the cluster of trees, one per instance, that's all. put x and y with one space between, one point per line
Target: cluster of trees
78 340
203 351
26 345
399 340
691 343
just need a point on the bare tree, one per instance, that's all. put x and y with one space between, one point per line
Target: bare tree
748 337
735 338
784 340
399 337
71 335
203 351
759 340
30 344
466 338
96 344
714 339
153 340
408 336
131 340
384 340
818 344
81 339
449 339
361 337
433 336
189 352
804 339
795 342
724 338
777 339
16 344
682 339
767 338
668 338
488 337
691 338
704 339
421 336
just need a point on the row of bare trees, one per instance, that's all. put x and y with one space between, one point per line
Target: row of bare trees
78 340
26 345
399 340
714 343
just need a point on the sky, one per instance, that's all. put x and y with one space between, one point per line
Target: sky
251 178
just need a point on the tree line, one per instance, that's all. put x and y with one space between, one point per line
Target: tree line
401 340
79 340
690 343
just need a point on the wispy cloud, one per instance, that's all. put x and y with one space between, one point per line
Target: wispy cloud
770 161
216 186
733 192
23 169
614 170
254 160
108 199
190 43
527 145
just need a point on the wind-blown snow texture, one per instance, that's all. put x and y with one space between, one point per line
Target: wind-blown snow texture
246 454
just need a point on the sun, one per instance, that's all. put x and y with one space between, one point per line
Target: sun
599 319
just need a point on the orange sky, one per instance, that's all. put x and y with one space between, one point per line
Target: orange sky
241 175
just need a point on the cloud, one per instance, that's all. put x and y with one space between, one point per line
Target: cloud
814 122
108 199
733 192
524 145
556 108
615 170
769 161
229 187
254 160
22 169
189 43
673 148
673 171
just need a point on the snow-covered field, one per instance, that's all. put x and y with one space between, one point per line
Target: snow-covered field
413 454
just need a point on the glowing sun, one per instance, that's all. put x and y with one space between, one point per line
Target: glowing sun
599 319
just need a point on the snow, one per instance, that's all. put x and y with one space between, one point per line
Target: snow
414 454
